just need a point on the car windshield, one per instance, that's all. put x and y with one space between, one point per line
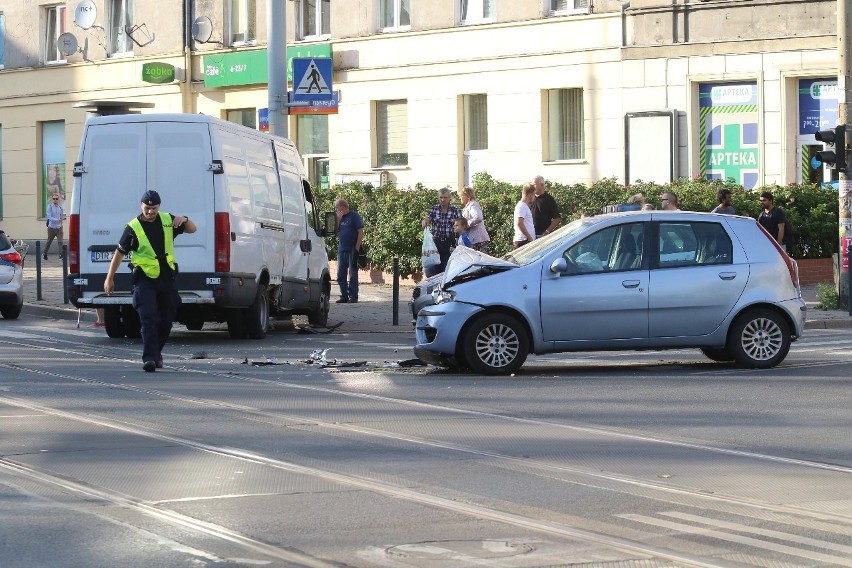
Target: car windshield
536 249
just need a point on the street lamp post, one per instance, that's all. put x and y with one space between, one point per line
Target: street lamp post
276 27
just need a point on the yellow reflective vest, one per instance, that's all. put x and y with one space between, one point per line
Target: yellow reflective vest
145 257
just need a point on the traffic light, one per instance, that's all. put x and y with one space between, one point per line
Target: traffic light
836 158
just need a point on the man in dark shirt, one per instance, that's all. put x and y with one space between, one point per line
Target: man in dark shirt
544 210
350 235
150 237
441 218
772 218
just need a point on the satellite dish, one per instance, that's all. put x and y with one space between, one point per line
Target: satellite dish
85 14
67 43
202 29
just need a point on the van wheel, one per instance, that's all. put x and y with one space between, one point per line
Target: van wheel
496 344
112 322
237 323
130 321
759 339
319 316
257 314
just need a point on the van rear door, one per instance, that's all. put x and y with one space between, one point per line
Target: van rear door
124 159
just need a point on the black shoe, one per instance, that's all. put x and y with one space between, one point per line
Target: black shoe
44 256
353 300
342 301
159 363
149 366
61 256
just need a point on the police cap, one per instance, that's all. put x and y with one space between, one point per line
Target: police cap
151 197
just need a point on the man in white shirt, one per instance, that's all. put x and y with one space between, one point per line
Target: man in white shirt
524 226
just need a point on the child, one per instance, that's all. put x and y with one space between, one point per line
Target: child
460 227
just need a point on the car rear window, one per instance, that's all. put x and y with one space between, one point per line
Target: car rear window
4 242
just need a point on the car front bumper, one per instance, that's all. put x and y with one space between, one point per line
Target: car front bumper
438 328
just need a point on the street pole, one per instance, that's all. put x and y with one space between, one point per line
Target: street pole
276 32
844 83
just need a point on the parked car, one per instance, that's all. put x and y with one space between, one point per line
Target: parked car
11 279
421 295
636 280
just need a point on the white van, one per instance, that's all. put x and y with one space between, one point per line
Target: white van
259 249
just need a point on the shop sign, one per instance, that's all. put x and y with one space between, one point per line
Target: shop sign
251 67
158 72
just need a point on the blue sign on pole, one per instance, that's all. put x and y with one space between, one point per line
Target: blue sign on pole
312 79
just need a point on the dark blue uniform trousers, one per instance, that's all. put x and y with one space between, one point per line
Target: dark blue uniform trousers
156 300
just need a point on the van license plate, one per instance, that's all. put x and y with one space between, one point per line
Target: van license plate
106 256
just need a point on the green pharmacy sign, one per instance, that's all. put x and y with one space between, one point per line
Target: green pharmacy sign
158 73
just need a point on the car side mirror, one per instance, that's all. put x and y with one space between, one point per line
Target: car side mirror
559 266
330 224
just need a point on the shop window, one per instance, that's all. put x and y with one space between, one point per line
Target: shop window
244 116
392 133
54 26
312 134
314 18
52 162
242 21
564 112
395 14
2 40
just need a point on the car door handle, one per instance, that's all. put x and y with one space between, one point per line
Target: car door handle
630 283
727 275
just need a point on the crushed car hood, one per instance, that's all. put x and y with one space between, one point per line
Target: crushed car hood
466 263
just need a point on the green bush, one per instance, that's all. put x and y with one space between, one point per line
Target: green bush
827 296
392 216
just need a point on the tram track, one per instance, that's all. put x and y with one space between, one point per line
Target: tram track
605 480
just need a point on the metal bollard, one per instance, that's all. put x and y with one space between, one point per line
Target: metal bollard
38 271
396 291
64 273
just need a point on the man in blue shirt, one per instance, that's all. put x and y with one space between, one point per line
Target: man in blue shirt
350 232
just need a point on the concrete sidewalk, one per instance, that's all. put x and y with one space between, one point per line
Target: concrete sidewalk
373 312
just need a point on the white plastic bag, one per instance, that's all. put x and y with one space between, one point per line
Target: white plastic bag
429 254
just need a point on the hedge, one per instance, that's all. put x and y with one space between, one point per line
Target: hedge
392 216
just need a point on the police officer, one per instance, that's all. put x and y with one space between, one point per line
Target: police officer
150 237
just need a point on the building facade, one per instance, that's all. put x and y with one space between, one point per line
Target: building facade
434 91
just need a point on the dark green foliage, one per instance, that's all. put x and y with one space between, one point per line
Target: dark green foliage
392 216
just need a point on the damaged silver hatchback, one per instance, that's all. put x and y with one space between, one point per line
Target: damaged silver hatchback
638 280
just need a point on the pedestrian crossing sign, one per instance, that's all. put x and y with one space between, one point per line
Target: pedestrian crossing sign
312 79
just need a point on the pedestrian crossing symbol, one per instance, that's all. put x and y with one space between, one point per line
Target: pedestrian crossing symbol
314 78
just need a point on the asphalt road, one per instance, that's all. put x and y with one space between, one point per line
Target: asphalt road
255 453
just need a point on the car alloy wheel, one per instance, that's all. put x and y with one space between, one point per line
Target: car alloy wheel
760 339
496 344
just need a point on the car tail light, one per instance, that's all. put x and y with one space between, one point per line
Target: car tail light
12 257
222 240
74 244
792 267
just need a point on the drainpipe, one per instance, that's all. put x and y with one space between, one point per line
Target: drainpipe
624 6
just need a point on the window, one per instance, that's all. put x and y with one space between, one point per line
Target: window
242 21
244 116
691 244
395 14
52 161
476 10
475 122
561 7
2 39
614 248
565 140
312 134
120 18
392 133
314 18
54 26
